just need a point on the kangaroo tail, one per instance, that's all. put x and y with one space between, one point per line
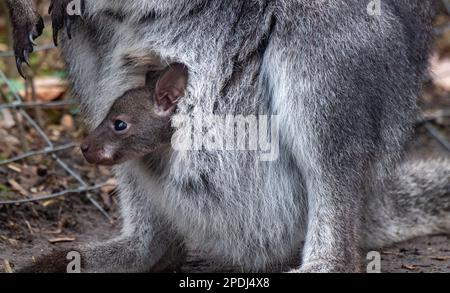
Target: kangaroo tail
414 201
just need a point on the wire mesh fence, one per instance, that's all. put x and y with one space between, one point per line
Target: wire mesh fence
20 107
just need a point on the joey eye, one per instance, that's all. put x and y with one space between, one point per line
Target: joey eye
120 125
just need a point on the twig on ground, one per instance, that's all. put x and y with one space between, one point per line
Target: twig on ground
53 196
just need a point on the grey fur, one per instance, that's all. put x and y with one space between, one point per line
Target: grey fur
344 84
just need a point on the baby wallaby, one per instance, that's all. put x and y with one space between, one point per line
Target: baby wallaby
138 123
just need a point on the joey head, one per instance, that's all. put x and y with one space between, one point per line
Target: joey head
138 123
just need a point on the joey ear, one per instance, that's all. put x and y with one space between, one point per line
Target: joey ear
170 88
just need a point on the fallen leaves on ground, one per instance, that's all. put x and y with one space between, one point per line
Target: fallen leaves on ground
61 240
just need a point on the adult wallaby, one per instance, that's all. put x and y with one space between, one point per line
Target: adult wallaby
342 81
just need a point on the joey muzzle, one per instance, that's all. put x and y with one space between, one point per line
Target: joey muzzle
97 153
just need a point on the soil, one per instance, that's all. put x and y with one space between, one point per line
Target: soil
29 231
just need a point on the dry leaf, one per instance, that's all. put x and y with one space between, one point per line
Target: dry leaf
7 266
15 168
48 88
441 72
9 140
61 239
67 122
49 202
441 258
109 186
29 227
409 267
17 187
8 120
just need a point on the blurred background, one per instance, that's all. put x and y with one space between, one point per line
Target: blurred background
49 196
